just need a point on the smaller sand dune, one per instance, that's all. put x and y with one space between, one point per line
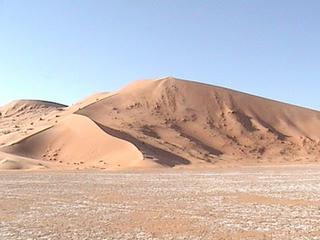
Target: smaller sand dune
13 162
78 142
18 106
22 118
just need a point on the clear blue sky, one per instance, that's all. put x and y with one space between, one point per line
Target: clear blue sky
64 50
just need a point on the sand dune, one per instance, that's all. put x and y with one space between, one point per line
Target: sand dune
78 142
161 123
14 162
27 106
207 124
22 118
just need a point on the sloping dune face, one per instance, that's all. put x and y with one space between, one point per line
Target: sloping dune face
27 106
77 142
21 118
88 101
203 124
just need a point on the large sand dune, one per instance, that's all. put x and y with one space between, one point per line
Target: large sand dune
207 124
162 123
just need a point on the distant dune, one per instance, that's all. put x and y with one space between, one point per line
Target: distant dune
164 123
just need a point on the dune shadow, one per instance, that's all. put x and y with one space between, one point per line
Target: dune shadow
278 134
197 142
160 156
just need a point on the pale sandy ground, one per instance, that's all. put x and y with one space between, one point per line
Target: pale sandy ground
250 203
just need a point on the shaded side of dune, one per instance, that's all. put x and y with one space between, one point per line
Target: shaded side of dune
149 151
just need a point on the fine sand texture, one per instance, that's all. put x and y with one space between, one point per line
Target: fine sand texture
156 124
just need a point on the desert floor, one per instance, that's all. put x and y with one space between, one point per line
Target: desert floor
251 203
